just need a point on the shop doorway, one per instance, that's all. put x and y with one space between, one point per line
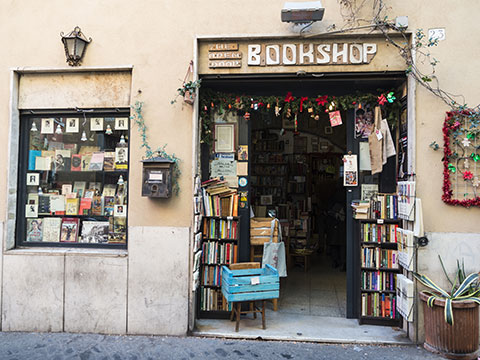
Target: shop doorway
295 173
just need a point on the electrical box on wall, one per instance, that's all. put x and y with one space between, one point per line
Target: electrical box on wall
157 178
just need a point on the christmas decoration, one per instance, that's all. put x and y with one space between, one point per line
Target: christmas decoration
467 175
391 97
454 128
382 99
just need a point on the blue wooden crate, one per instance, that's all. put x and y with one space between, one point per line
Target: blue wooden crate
250 284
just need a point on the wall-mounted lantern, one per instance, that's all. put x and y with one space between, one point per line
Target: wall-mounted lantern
75 44
157 178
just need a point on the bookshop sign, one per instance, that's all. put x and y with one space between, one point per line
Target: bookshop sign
263 55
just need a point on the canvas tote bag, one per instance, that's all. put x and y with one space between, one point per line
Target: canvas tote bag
274 253
376 144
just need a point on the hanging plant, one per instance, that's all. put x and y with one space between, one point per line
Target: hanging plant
188 90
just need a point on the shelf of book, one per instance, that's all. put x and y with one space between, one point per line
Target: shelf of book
379 264
219 230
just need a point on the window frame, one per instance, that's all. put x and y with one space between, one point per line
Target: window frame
23 153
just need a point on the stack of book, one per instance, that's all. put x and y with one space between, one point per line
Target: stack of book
377 280
219 199
361 209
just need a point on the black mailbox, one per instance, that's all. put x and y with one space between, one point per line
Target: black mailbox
157 177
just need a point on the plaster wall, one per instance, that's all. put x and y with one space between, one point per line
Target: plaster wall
159 42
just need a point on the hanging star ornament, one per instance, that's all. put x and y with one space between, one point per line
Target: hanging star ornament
391 97
466 142
382 99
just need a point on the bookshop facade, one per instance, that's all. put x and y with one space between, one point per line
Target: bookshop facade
285 120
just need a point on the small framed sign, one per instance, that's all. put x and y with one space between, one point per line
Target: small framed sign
33 179
96 124
72 125
121 123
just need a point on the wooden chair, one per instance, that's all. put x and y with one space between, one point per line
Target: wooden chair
237 306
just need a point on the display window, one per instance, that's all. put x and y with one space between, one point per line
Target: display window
73 180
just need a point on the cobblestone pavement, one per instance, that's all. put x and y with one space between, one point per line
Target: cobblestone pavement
58 346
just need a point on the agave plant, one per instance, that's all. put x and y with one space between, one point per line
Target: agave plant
463 288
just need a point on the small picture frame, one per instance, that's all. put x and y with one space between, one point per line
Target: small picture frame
96 124
120 211
225 138
33 179
72 125
48 125
266 199
31 210
121 123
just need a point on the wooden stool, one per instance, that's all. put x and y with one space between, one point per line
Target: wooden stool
237 306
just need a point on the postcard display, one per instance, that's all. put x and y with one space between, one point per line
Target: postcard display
75 181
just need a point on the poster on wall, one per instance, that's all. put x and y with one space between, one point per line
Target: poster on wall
350 173
363 121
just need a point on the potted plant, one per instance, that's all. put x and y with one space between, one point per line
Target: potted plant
188 91
451 317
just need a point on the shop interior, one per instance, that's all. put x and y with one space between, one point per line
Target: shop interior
295 174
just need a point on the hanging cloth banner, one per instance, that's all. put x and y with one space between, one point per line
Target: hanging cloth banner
388 146
375 142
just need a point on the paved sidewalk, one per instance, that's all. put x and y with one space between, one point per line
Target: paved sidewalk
31 346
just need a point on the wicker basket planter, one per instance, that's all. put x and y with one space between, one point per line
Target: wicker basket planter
457 341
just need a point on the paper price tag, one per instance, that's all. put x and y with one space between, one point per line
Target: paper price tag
380 221
379 134
255 280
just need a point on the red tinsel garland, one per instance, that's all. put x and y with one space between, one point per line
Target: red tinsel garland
449 126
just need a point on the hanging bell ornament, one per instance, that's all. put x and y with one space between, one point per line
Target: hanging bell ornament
317 117
108 130
34 127
58 130
84 136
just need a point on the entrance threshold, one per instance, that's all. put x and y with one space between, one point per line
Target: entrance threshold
306 328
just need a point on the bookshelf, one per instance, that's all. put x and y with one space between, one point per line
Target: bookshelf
218 238
219 247
379 263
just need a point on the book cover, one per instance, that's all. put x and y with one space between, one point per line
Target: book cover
121 158
71 207
57 203
79 188
86 159
76 163
32 156
51 229
97 206
109 190
96 162
95 232
97 186
69 230
119 234
32 198
62 160
108 205
109 161
85 206
44 205
34 230
43 163
89 193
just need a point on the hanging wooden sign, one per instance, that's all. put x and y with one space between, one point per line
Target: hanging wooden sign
223 47
224 63
225 55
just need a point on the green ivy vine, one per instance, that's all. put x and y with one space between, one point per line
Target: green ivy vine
159 152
